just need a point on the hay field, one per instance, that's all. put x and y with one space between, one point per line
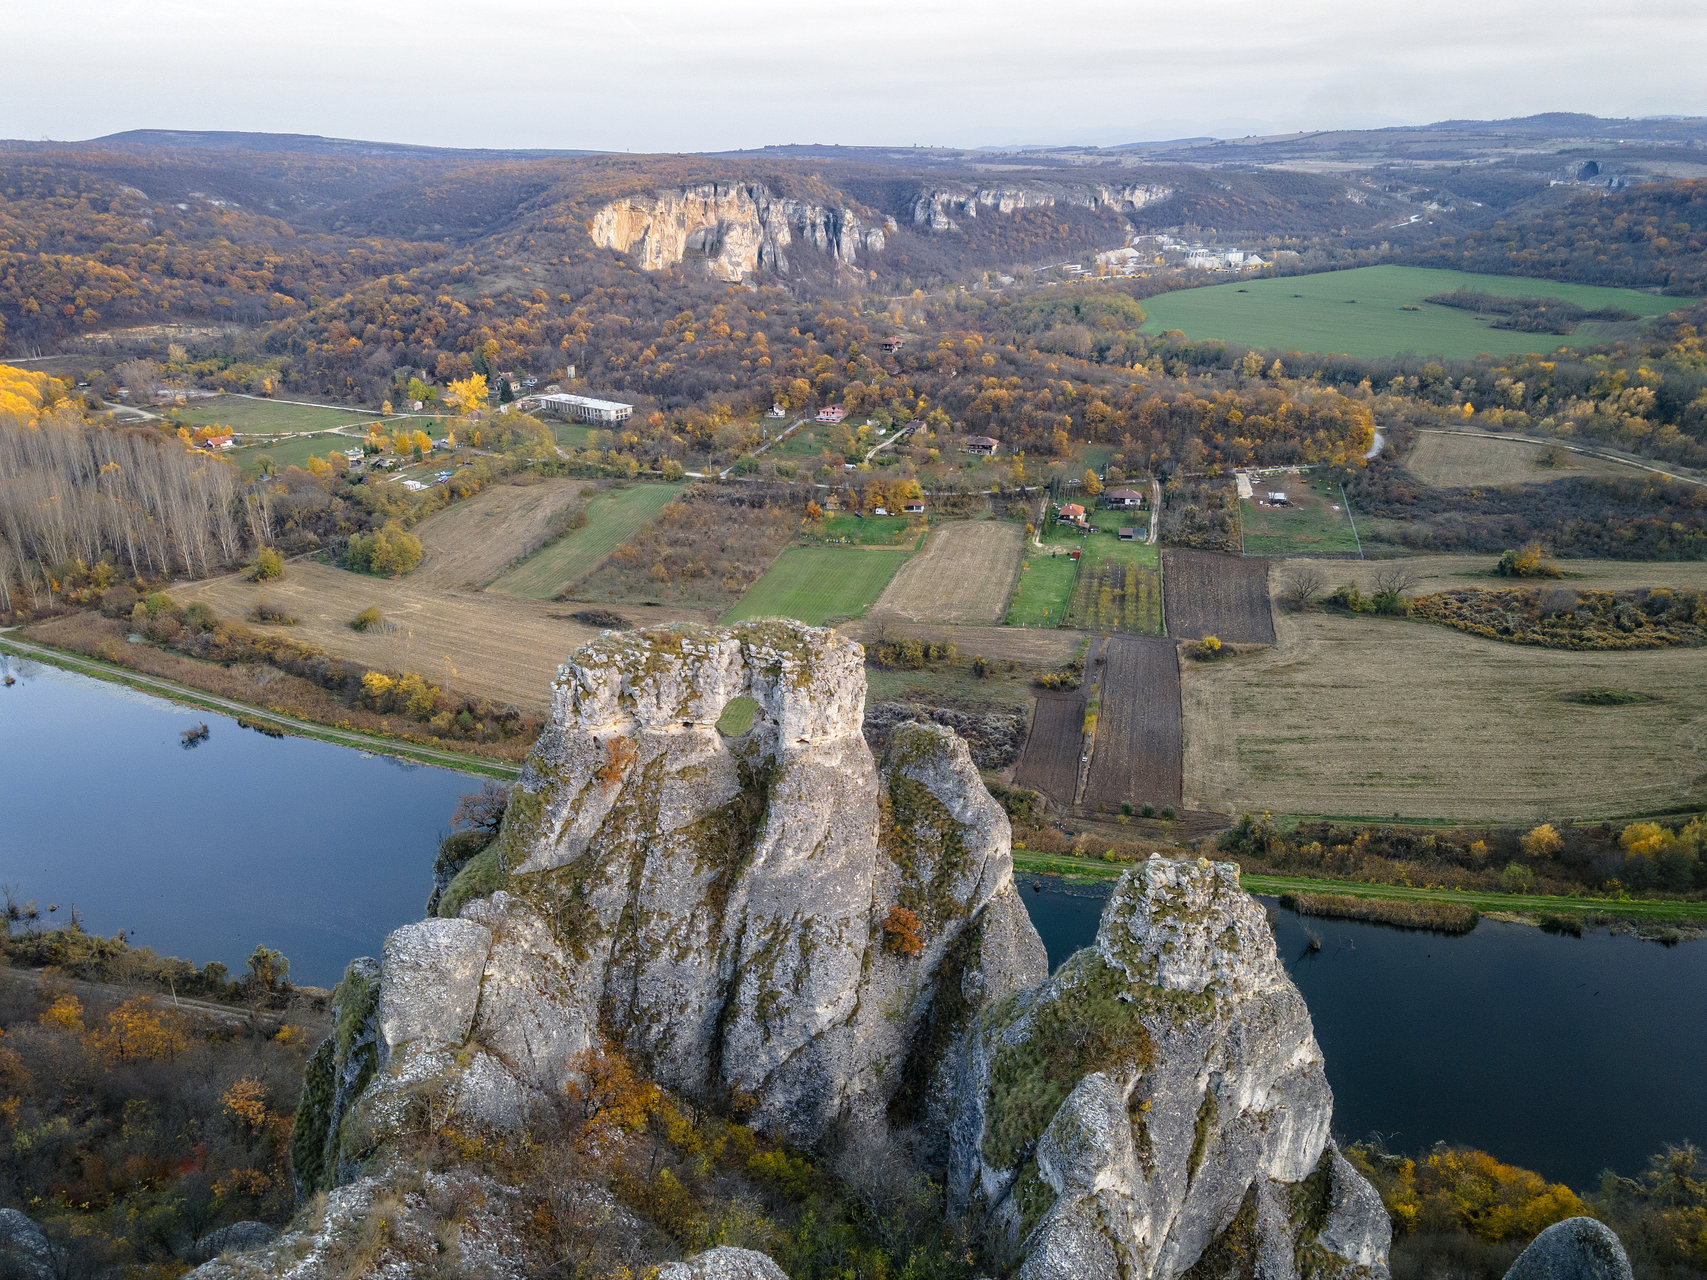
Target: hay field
272 417
503 647
1439 573
1369 717
963 575
1462 460
613 517
472 542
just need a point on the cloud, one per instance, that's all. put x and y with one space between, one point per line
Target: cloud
673 75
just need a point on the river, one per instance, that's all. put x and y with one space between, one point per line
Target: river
1565 1055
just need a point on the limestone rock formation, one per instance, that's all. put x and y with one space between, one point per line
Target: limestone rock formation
727 908
735 228
24 1250
1161 1101
943 208
777 922
1575 1249
723 1263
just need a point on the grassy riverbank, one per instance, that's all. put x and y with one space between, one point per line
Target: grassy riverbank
1648 910
186 695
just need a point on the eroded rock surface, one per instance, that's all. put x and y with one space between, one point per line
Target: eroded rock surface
1575 1249
771 920
1160 1102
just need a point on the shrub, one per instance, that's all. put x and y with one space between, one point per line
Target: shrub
1528 562
268 566
1206 649
1516 878
389 552
1542 841
901 933
267 611
368 619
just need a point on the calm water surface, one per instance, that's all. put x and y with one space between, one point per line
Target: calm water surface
1564 1055
316 850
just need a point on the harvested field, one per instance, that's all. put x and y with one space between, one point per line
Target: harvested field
502 647
964 574
1443 573
1470 459
613 517
1050 761
1139 754
1366 717
1207 594
469 544
1038 650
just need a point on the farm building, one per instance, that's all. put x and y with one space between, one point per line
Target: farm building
777 411
984 446
585 408
216 443
1128 534
893 344
1123 499
832 413
913 509
1072 513
1277 498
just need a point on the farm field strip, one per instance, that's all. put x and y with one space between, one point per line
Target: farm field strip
1354 715
817 584
1360 312
964 574
613 517
1119 587
1138 756
470 543
1443 572
1050 761
1466 459
1043 588
1210 594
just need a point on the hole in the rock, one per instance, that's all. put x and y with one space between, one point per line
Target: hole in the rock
737 717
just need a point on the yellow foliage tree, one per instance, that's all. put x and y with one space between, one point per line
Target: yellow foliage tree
1543 841
65 1013
1646 839
138 1032
467 395
246 1102
1093 485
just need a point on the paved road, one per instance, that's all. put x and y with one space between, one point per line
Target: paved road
181 692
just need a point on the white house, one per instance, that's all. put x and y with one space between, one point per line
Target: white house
585 408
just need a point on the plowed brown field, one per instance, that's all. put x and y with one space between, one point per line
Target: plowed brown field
964 574
1139 754
1209 594
1050 762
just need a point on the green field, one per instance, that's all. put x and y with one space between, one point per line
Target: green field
613 517
869 531
1309 527
269 417
1358 313
293 452
1045 584
1132 573
572 435
816 584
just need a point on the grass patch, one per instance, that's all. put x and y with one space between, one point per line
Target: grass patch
1437 917
1519 903
1044 589
1315 521
816 584
1362 313
867 531
294 452
269 417
613 517
737 717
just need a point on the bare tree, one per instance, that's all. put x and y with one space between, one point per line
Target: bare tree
1396 578
1302 586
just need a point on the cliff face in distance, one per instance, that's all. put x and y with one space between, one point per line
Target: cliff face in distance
779 925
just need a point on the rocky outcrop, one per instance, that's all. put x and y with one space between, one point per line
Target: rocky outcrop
24 1250
1161 1102
782 925
723 1263
725 908
944 208
733 228
1575 1249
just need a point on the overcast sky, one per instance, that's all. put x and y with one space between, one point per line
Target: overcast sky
718 74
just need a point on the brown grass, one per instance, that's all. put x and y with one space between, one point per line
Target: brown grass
1371 717
469 544
1451 461
963 575
1437 917
1441 573
502 647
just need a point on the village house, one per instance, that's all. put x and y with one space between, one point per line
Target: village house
214 443
893 344
777 411
832 413
913 509
983 446
1072 513
1123 499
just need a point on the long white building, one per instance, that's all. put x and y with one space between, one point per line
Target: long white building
585 408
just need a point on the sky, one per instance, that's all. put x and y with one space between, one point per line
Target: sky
676 76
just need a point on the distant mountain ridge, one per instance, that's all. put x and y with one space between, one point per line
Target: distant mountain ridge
314 144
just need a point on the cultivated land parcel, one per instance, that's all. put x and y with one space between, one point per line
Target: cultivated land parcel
1360 313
